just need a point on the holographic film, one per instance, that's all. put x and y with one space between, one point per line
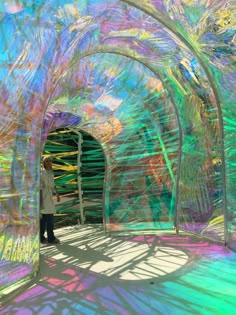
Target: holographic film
152 81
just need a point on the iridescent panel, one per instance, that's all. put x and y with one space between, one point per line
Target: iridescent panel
152 81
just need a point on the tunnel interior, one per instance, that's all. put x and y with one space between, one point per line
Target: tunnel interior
152 82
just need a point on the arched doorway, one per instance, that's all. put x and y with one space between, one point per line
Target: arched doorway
79 168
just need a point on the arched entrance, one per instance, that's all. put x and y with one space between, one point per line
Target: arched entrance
79 168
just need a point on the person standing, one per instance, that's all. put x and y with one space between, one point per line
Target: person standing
47 207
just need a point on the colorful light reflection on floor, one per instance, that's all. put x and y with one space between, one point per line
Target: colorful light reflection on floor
91 272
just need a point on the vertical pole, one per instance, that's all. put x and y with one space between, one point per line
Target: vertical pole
79 179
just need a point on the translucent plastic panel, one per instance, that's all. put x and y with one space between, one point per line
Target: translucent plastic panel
152 81
139 133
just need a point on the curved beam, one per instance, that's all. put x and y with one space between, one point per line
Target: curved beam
171 26
129 53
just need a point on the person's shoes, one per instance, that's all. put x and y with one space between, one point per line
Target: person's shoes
55 241
44 241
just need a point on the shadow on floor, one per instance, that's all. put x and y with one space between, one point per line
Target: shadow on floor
91 272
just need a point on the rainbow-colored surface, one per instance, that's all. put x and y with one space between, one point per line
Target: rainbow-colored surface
153 81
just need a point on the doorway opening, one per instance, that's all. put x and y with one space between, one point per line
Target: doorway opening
79 169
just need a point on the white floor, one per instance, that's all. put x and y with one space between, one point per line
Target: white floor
91 272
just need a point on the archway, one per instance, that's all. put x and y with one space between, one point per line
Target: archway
164 68
79 168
